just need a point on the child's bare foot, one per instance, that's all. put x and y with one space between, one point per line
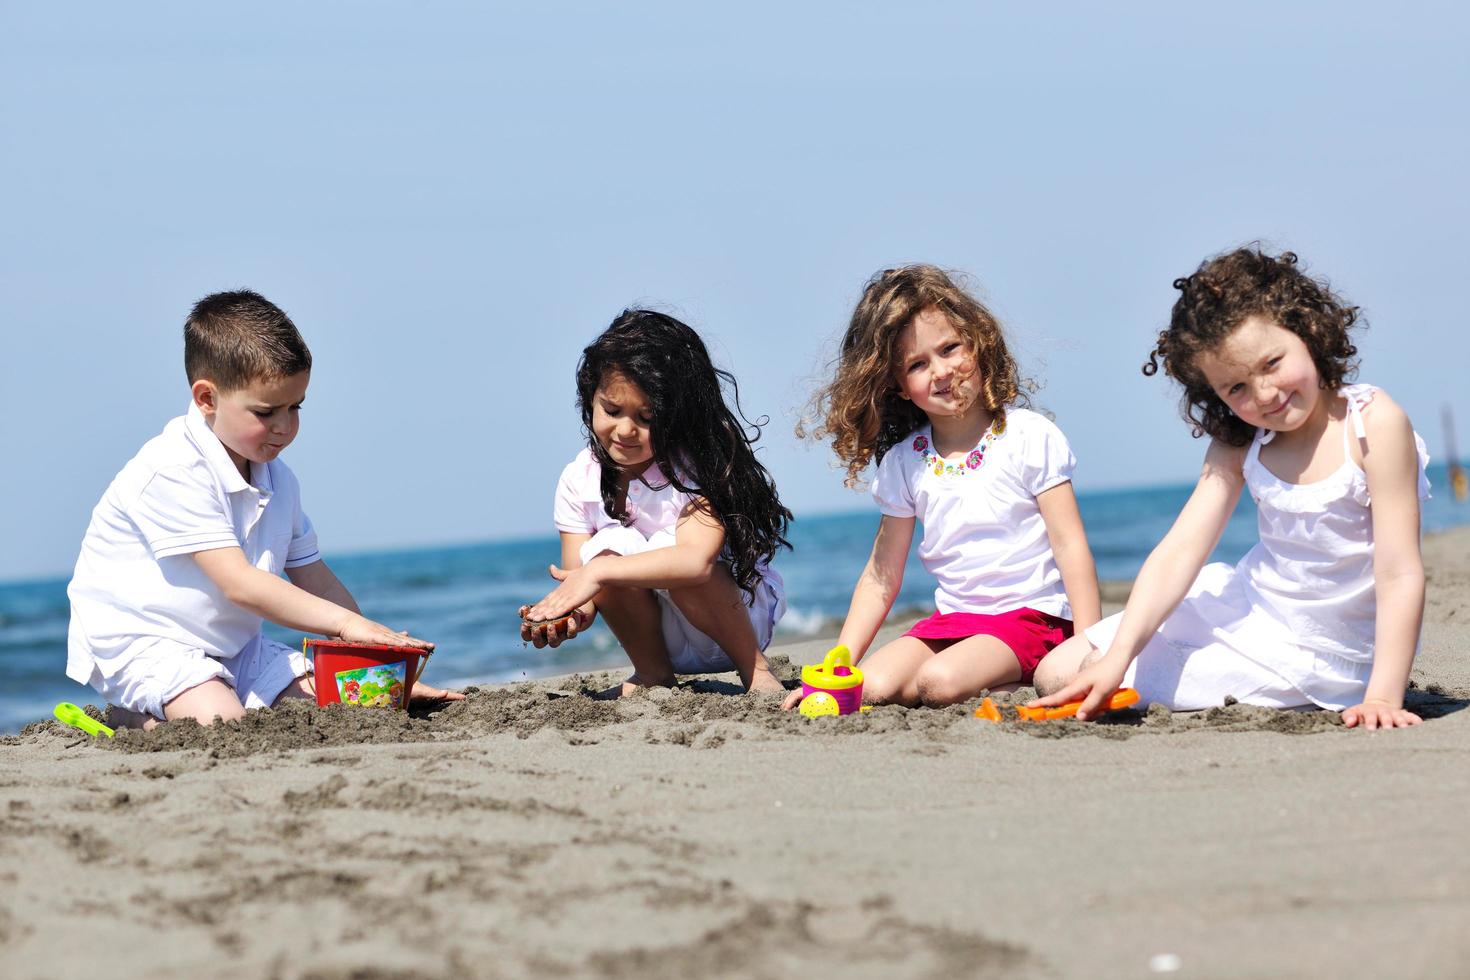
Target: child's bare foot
636 683
765 682
423 692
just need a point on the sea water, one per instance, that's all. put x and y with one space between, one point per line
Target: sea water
465 597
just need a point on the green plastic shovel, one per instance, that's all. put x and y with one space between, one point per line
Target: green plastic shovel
69 714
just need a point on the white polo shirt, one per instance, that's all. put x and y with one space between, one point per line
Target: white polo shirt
654 504
135 580
984 538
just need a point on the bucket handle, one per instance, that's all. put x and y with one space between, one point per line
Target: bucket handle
838 656
423 662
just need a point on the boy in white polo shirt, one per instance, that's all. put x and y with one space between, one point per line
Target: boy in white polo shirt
183 558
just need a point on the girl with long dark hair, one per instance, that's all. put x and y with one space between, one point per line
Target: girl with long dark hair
668 521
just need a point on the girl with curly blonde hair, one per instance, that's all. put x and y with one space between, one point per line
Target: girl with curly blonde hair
926 387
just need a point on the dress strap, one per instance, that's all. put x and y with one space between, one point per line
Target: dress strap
1257 478
1357 396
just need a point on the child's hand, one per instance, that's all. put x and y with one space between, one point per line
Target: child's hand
792 700
553 634
1373 714
360 629
1092 686
578 587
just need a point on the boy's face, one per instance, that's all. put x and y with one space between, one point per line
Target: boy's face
256 422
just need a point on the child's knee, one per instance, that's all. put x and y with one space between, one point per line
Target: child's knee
623 597
1053 674
214 700
882 686
1062 664
940 684
300 689
1049 676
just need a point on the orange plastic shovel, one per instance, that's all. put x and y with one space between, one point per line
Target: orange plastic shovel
1122 698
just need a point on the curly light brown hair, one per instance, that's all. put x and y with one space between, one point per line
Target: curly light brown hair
1222 294
860 410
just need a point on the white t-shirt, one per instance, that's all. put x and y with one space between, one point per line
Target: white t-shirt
135 580
984 540
578 508
654 505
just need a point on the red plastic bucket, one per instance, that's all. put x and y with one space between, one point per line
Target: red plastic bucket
372 675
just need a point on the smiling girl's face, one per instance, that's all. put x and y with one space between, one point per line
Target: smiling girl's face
621 421
1265 375
935 369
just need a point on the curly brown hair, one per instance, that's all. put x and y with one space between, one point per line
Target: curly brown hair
1222 294
860 410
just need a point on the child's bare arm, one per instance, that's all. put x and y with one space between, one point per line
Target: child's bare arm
1165 578
876 590
698 538
878 586
323 583
1391 462
1069 547
281 602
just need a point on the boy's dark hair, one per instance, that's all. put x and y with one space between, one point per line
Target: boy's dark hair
240 337
1222 294
695 435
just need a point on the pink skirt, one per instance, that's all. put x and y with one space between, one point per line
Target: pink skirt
1031 635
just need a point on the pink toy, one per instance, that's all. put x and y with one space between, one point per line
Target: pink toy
836 679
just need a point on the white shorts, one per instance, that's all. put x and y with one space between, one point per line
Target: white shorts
690 651
155 672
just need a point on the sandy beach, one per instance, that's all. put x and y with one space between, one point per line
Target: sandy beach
536 830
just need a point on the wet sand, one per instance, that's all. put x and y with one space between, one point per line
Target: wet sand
537 830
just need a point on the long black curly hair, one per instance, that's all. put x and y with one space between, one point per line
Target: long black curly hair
695 435
1222 294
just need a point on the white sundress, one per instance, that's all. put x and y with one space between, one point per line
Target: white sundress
1292 623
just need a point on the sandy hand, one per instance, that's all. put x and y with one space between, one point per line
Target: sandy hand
579 586
554 632
1093 686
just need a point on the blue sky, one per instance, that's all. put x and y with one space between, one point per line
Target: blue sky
451 199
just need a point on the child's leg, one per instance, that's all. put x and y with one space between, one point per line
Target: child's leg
302 688
965 669
717 609
163 679
889 673
636 620
1062 664
205 703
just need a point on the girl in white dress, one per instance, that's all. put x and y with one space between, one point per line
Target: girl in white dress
1325 610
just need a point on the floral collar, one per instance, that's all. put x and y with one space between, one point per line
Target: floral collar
942 467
